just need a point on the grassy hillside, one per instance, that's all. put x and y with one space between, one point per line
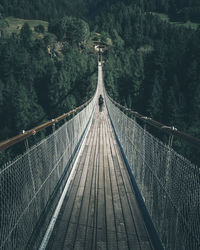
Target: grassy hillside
187 24
15 25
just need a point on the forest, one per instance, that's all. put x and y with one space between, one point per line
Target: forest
182 10
152 66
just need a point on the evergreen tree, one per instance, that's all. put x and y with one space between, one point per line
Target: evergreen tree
27 112
1 100
195 107
155 107
118 42
175 115
71 29
26 35
151 66
39 28
3 25
58 90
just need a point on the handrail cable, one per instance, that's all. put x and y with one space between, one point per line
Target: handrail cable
159 125
14 140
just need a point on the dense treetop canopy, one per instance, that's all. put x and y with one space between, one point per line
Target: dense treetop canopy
152 65
71 29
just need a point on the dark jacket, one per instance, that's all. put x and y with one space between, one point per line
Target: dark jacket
100 100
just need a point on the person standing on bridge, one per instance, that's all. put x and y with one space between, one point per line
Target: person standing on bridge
100 103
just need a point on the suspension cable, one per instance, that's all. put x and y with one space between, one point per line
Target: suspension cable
167 129
25 134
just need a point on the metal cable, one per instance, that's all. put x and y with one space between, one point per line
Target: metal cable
28 182
169 183
167 129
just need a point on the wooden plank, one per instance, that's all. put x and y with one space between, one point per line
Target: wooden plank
58 234
101 239
91 222
74 219
118 214
129 224
110 218
139 225
83 220
101 211
137 216
94 236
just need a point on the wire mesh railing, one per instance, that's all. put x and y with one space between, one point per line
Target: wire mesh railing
168 183
28 182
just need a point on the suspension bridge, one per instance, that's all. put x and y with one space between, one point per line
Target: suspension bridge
99 181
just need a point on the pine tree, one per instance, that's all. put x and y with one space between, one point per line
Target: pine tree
58 90
27 112
195 105
174 111
1 94
71 29
155 106
26 35
117 40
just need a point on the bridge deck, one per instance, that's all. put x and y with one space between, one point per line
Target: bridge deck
100 210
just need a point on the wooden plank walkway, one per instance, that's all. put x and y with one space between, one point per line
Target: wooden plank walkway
100 210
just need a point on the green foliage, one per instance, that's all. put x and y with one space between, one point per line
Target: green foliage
58 89
155 108
177 10
71 29
26 35
162 81
1 95
151 66
15 25
26 109
118 41
35 87
175 106
39 28
3 26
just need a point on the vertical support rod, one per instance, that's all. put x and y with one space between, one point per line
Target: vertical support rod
55 145
143 163
170 142
133 141
168 182
31 171
73 135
